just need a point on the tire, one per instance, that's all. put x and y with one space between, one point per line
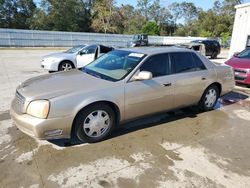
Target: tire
209 98
214 55
66 65
94 123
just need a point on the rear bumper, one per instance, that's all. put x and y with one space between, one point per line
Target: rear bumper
47 129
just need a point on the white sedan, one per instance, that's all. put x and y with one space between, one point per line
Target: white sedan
76 57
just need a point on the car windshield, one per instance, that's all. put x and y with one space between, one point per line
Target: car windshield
136 37
244 54
114 65
75 49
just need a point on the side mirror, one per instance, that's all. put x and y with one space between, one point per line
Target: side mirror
81 53
236 54
143 75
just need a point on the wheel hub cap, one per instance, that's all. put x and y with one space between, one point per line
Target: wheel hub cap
96 123
66 67
210 98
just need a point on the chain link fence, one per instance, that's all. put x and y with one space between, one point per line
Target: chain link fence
36 38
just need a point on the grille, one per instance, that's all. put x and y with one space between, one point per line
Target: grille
240 71
19 97
18 103
240 78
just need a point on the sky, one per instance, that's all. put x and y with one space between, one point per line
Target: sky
204 4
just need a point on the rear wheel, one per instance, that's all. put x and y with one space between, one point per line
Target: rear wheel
209 98
94 123
65 65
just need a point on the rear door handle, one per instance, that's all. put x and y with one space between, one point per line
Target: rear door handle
167 84
203 78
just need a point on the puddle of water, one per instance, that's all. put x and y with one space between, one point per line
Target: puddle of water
231 98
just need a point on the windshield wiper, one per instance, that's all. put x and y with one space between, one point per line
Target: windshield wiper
91 73
97 75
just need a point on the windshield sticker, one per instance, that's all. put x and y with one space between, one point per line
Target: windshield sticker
136 55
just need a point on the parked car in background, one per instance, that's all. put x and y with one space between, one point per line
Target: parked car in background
139 40
119 86
198 47
76 57
241 65
212 47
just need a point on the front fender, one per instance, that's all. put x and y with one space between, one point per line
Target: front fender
117 102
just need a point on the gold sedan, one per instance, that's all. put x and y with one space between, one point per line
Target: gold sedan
121 85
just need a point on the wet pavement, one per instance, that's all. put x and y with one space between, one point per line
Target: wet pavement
184 148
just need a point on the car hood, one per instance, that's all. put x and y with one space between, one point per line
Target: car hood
239 63
60 55
53 85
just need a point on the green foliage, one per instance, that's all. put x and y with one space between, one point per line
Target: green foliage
150 28
224 38
70 15
105 16
16 13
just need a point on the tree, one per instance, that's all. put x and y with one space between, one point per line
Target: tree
103 14
154 11
151 28
143 7
129 21
70 15
16 13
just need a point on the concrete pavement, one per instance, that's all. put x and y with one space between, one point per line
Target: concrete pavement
184 148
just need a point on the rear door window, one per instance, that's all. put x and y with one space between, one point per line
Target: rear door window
182 62
199 64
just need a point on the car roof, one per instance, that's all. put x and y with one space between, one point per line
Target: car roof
156 50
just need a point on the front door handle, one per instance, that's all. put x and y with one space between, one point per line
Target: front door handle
203 78
167 84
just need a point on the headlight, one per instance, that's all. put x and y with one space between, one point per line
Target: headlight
50 60
132 44
38 108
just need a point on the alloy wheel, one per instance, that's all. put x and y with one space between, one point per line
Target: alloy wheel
66 66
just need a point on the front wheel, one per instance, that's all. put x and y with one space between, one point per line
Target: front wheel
95 123
64 66
209 98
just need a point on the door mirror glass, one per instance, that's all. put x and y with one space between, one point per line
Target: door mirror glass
81 52
143 75
236 54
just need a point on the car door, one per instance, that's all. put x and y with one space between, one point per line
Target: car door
150 96
86 56
189 79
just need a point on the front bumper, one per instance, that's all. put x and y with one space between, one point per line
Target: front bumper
47 129
50 66
242 78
